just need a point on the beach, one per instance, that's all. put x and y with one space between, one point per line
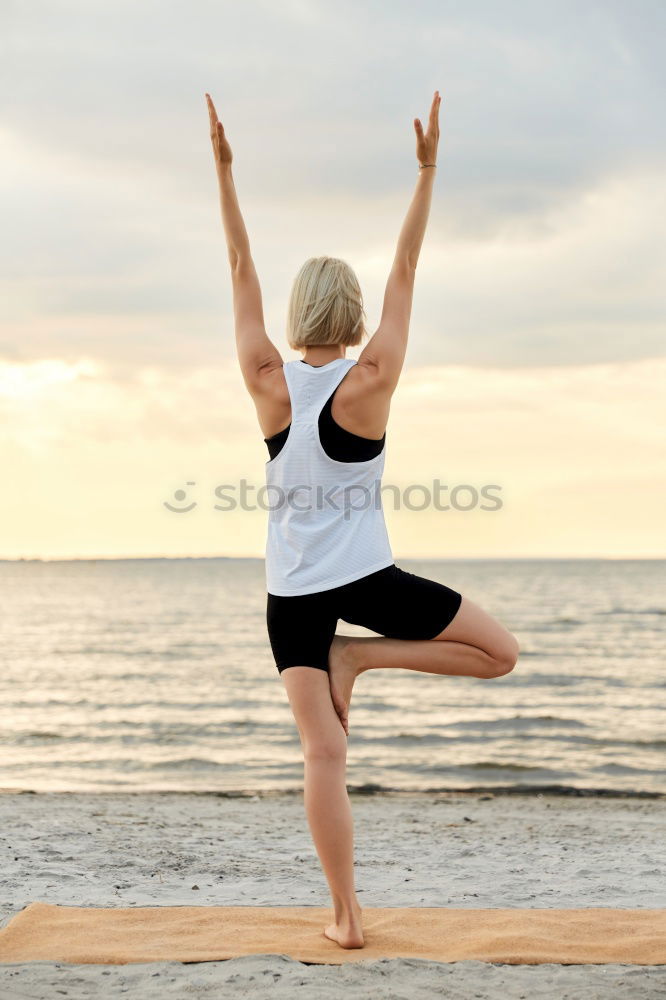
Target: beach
150 758
456 849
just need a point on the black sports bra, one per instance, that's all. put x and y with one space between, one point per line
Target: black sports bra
338 443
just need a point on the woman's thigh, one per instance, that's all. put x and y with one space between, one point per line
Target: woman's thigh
399 604
475 627
319 725
301 629
402 605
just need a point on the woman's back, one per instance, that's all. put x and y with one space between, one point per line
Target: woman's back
361 403
338 442
326 523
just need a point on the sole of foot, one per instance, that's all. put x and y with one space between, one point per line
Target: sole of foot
342 672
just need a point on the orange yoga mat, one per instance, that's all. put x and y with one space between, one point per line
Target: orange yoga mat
118 935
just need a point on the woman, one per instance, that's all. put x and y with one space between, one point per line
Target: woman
328 555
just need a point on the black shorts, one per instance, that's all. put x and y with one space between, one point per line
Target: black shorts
392 602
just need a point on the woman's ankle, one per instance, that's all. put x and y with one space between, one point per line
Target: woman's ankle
348 910
351 652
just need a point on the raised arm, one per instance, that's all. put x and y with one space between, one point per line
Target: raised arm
256 352
385 350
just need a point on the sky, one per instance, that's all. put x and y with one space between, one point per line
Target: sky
537 354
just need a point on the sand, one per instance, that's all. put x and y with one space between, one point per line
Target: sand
459 849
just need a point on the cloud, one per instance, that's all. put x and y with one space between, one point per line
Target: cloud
577 452
543 244
580 284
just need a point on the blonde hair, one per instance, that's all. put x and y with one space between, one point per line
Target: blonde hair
326 305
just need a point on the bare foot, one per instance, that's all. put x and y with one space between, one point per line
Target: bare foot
349 932
342 672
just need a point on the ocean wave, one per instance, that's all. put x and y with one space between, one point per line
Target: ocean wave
523 788
191 764
633 611
522 720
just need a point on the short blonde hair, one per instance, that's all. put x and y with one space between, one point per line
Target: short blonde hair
326 305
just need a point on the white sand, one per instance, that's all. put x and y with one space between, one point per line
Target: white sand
451 850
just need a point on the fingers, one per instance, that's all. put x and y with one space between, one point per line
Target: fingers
211 110
434 108
432 120
216 126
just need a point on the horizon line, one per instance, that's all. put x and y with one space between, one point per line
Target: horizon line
515 558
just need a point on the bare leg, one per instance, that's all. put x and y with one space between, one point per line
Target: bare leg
473 645
327 802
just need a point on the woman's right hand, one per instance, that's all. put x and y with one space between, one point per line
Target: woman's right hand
426 145
221 148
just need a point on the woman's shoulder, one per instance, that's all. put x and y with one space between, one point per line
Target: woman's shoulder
361 402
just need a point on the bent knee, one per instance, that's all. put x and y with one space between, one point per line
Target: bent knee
506 656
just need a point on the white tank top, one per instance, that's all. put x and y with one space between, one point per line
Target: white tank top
325 518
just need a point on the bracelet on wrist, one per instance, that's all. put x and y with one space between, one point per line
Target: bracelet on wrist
422 165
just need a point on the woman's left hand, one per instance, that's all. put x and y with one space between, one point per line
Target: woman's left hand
221 147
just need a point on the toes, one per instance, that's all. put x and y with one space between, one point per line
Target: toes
339 705
341 709
343 714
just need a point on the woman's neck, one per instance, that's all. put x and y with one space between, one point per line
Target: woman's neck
322 354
